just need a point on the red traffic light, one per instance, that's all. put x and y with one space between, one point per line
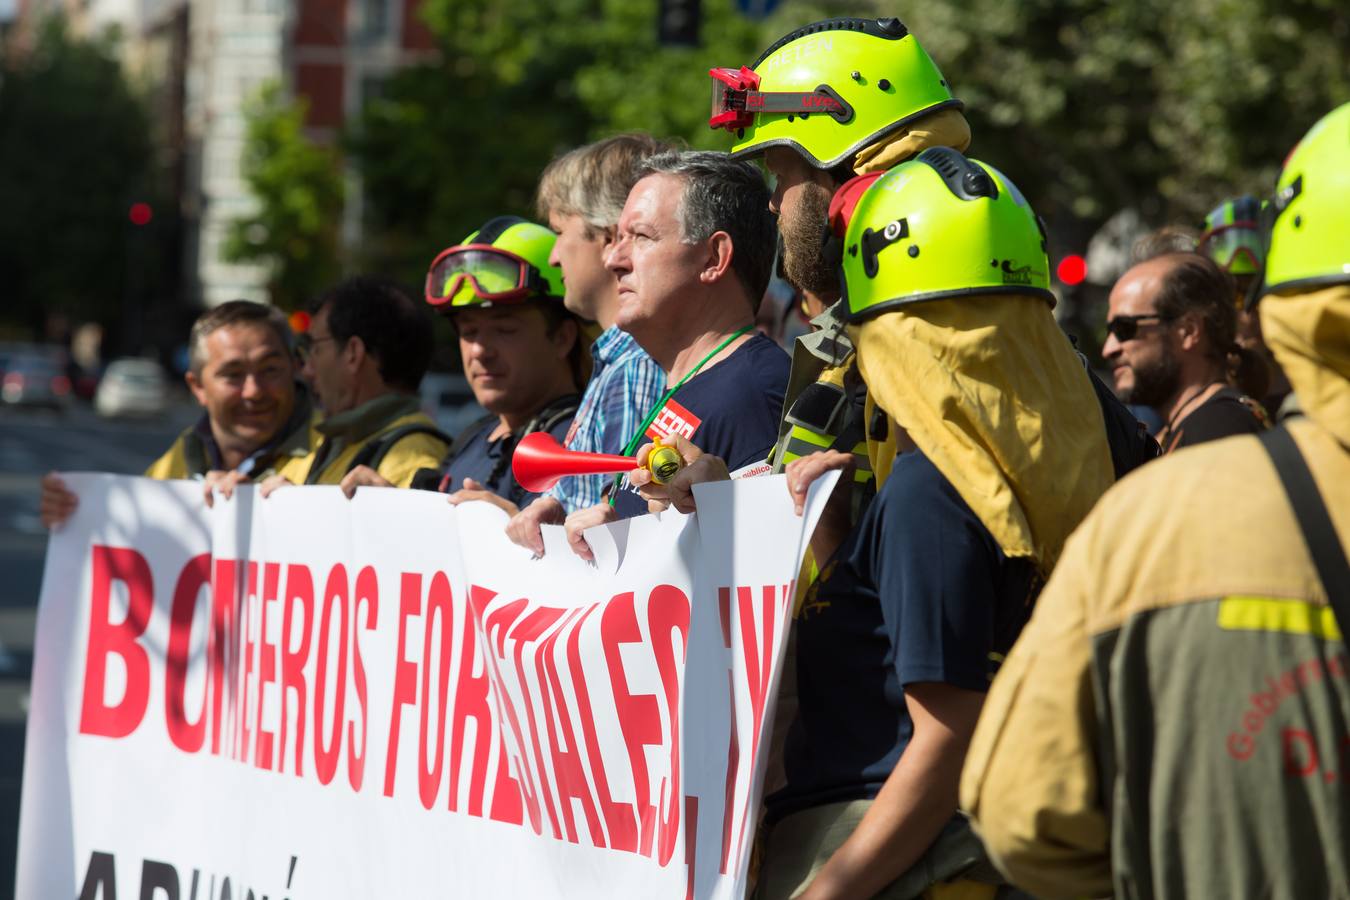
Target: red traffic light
1072 270
140 214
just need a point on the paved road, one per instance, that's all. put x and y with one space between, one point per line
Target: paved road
32 443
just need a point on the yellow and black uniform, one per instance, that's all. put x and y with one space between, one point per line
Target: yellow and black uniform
194 452
389 434
937 579
1172 721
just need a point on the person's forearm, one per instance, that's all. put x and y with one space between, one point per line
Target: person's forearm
917 800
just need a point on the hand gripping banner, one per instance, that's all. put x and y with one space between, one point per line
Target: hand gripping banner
308 697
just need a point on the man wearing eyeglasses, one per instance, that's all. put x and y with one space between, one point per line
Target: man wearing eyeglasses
1172 346
366 350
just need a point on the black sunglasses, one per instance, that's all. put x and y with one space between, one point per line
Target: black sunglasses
1126 327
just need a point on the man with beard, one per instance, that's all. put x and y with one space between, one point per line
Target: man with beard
1002 452
1171 722
1172 344
884 101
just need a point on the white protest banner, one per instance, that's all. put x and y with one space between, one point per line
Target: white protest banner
314 697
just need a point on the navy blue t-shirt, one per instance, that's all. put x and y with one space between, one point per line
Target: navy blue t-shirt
486 461
733 409
919 592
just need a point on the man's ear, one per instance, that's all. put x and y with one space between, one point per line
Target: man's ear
195 385
717 264
354 352
565 336
1190 330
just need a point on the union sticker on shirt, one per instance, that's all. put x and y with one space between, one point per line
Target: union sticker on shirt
673 419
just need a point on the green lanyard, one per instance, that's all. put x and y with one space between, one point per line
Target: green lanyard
636 440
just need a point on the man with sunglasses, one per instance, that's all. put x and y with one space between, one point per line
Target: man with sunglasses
1172 721
1172 345
524 354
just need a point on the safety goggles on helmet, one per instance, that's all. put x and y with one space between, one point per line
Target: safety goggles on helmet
1269 215
472 274
1234 237
736 99
1237 248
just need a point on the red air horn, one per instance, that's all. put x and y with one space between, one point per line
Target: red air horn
539 461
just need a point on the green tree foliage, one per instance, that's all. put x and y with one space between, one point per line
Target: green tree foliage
74 156
1163 106
1091 107
299 190
450 144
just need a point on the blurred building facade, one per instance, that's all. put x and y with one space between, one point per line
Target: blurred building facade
199 61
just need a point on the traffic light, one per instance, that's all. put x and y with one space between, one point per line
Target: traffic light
140 213
1072 270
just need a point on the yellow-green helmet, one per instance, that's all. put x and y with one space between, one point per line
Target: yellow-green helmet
940 225
505 261
828 90
1310 233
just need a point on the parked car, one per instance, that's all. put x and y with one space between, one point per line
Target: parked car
11 350
449 401
132 387
34 381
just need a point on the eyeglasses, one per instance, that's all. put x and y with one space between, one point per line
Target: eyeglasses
1125 328
304 345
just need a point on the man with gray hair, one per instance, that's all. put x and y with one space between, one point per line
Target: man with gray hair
581 196
692 256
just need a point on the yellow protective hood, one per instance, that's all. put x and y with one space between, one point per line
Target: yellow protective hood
946 128
1309 333
991 391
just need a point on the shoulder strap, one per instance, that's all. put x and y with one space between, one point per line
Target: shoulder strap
556 411
1324 545
375 450
468 434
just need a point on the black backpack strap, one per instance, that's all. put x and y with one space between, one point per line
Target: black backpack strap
547 419
469 434
375 450
1324 545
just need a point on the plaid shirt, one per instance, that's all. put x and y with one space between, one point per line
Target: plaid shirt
624 386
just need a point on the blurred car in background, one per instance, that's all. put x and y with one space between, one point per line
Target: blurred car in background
10 350
31 380
132 387
449 401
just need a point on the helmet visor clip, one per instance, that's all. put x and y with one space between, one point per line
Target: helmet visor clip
873 242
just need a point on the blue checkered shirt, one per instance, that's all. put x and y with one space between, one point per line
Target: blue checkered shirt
625 384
